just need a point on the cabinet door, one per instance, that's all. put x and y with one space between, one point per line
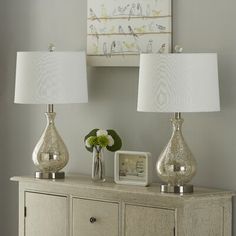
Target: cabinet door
95 218
46 215
148 221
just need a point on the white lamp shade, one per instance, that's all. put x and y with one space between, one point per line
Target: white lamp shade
51 78
178 82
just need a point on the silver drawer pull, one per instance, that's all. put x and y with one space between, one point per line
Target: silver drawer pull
92 220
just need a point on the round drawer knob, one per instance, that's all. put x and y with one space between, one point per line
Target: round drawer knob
92 220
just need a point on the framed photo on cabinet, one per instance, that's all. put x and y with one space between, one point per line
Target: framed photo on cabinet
118 31
133 168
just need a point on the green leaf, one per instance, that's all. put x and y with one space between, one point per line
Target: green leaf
117 141
91 133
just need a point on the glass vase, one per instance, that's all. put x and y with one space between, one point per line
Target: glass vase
98 165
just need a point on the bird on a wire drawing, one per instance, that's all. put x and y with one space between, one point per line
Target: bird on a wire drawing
93 15
120 48
148 10
161 27
139 9
141 29
132 32
129 46
149 46
132 10
113 47
121 30
94 31
105 49
103 11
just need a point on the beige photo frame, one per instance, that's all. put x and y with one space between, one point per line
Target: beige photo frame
132 168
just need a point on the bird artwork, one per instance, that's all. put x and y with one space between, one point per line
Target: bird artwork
141 29
162 48
129 46
103 11
149 46
148 10
156 13
105 49
132 32
160 27
113 48
94 31
139 10
120 10
119 47
125 8
93 15
118 27
132 10
121 30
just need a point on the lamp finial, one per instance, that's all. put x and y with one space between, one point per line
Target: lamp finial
51 47
178 49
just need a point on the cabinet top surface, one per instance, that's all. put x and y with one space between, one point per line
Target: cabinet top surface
83 181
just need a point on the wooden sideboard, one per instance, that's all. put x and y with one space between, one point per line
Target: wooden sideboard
76 206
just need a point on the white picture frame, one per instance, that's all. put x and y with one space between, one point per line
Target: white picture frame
118 31
132 168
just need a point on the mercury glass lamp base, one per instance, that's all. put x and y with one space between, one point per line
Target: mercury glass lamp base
180 189
49 175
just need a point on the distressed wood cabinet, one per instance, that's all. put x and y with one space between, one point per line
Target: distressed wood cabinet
47 214
77 206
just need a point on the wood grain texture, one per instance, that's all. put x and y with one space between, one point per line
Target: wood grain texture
83 181
142 210
46 215
206 221
142 221
106 214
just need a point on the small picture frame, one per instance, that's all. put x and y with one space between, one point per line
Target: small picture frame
133 168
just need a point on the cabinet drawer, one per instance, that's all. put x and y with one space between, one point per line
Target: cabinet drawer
95 218
148 221
45 215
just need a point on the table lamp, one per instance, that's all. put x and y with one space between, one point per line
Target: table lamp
50 78
178 82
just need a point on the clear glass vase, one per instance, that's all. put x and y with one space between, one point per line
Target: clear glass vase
50 153
98 165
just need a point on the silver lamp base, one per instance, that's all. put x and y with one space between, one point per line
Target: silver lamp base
180 189
49 175
50 154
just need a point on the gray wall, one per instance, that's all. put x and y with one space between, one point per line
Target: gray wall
199 26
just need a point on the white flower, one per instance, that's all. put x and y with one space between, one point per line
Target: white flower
111 141
101 132
87 143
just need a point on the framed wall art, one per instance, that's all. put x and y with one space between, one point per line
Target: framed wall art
118 31
133 168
